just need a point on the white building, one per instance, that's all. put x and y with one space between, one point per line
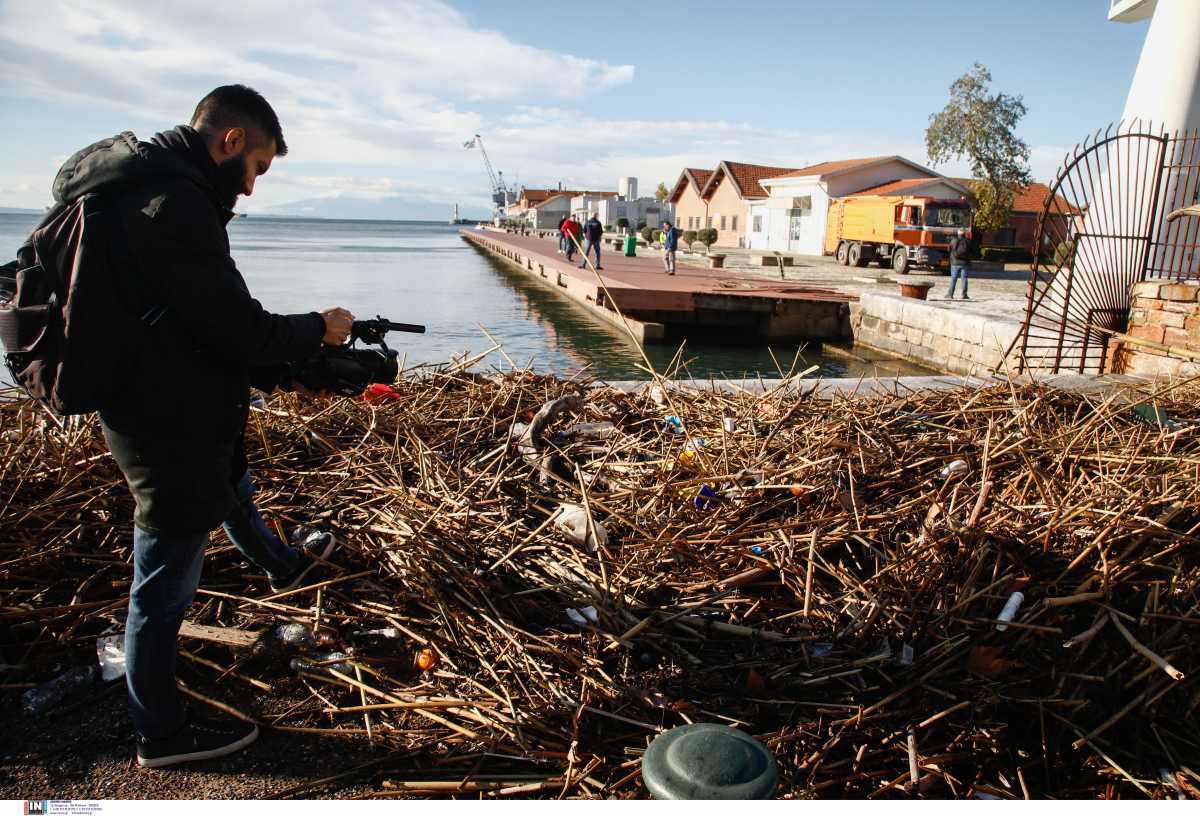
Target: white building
610 208
548 213
793 216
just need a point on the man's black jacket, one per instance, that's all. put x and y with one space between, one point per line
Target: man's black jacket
183 409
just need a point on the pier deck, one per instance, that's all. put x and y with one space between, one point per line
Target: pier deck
693 302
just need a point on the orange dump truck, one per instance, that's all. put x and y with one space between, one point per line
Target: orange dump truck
896 231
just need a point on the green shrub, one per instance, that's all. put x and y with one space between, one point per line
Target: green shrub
689 237
707 236
623 223
641 225
647 234
1064 254
1006 254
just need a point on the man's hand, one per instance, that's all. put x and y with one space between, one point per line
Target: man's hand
337 326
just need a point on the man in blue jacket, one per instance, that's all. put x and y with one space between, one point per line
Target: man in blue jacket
593 232
176 430
670 244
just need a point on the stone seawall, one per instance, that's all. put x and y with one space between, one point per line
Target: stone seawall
935 335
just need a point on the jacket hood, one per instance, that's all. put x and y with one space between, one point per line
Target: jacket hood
123 162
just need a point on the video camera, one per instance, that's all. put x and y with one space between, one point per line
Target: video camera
346 370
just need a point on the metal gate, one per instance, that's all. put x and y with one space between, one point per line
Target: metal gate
1101 230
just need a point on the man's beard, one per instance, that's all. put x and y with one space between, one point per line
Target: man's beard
229 180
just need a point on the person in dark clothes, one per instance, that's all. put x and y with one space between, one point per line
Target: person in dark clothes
958 263
593 231
670 245
176 431
562 235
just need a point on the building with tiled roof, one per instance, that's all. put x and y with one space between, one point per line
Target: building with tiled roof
793 216
1028 204
728 193
691 208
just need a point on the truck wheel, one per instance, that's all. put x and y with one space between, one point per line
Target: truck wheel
841 253
855 255
900 260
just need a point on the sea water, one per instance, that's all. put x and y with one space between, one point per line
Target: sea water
423 272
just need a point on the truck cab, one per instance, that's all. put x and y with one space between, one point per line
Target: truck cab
924 227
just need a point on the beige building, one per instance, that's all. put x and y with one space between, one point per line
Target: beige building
690 208
721 199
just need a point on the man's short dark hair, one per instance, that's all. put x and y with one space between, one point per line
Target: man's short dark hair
238 106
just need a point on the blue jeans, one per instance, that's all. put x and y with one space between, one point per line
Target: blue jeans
166 573
958 271
588 246
569 247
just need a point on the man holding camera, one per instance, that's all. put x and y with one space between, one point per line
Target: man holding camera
176 431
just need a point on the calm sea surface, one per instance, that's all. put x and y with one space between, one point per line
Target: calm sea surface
419 272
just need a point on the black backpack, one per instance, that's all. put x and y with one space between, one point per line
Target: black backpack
65 308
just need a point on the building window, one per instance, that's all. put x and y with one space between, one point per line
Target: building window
733 223
722 222
758 223
803 204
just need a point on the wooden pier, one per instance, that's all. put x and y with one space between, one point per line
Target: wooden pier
694 302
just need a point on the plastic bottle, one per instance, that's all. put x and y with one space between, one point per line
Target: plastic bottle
313 662
572 521
49 694
301 636
591 431
1010 610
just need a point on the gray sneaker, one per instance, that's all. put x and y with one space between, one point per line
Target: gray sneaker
313 546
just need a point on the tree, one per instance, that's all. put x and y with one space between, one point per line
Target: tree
689 237
980 126
707 236
623 223
648 234
662 193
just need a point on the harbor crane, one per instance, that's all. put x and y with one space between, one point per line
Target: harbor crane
501 196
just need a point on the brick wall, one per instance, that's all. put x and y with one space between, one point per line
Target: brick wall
1166 314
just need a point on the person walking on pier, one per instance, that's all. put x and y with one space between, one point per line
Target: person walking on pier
562 235
571 230
670 244
958 264
176 427
593 230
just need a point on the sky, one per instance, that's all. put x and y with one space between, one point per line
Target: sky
377 99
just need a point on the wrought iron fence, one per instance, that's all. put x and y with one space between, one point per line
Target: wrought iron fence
1102 229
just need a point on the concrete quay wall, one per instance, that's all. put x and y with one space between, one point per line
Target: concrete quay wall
943 338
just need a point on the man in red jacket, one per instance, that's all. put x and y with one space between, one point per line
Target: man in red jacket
571 230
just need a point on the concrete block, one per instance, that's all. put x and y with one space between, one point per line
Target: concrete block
1154 334
1146 289
1185 306
1171 320
1178 291
1147 303
1176 337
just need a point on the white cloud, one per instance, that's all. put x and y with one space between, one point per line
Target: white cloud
377 99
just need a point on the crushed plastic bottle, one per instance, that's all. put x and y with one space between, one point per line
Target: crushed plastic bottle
49 694
690 453
572 521
583 616
590 431
316 662
672 424
110 654
958 467
301 636
705 497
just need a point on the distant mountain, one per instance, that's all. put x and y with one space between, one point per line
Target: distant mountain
391 208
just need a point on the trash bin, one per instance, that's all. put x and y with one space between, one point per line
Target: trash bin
630 246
